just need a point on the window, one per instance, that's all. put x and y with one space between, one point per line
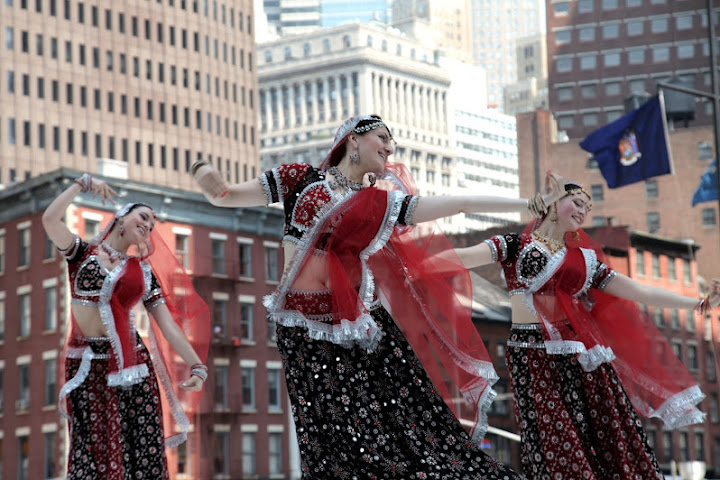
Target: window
640 263
563 36
564 93
653 222
563 64
275 453
24 314
24 247
586 34
9 38
2 334
611 30
659 25
633 3
596 191
23 466
50 308
588 61
705 151
50 381
651 189
274 389
182 459
218 256
585 6
636 56
565 121
249 466
683 445
692 360
684 22
589 90
674 319
182 252
667 446
611 59
709 356
245 259
246 320
609 4
271 264
656 265
590 119
672 272
248 388
687 273
222 453
686 50
23 370
637 85
11 131
714 417
635 28
708 217
562 8
219 315
699 447
221 387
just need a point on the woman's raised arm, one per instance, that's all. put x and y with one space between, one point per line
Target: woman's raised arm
219 193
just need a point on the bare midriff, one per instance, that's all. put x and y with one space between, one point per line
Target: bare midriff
313 276
88 320
520 312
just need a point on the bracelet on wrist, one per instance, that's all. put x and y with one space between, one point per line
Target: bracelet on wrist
703 306
196 166
85 182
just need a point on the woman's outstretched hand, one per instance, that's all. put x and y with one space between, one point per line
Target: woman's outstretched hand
210 181
103 190
192 384
554 188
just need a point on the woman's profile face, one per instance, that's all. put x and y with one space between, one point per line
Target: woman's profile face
139 223
572 210
374 149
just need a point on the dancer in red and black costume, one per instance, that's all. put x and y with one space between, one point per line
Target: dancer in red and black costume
122 405
378 348
583 359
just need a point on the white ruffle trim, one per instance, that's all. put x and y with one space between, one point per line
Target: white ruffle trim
128 376
589 359
363 331
76 381
680 409
479 429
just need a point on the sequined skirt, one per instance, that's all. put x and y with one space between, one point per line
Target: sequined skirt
376 415
116 433
574 424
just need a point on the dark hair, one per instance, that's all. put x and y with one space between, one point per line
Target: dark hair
339 153
139 204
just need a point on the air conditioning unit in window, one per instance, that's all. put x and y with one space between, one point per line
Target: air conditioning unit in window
22 404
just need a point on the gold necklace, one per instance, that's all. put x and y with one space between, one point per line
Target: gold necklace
553 245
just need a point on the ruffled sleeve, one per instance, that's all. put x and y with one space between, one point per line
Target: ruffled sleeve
504 247
75 250
281 181
602 275
154 295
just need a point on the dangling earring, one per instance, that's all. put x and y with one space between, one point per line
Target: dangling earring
121 229
354 157
575 236
553 214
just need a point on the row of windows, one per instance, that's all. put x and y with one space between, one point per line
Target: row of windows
672 273
587 6
634 56
122 63
222 455
23 454
222 375
633 27
566 120
227 16
80 142
151 110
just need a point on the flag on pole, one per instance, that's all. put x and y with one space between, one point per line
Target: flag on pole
707 191
633 147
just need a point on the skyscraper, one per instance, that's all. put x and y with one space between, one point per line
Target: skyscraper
292 17
144 88
337 12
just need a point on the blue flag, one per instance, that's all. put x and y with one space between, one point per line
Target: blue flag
707 191
633 147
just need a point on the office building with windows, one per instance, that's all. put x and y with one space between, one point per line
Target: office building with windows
531 89
243 425
292 17
602 51
144 87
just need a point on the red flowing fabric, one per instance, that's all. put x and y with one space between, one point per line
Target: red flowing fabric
655 380
429 295
127 292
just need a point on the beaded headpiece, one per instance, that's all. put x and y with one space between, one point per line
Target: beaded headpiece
572 188
349 126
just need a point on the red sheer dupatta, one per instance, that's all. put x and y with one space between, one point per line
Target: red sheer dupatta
602 328
428 296
192 316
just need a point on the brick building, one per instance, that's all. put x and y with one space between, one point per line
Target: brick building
652 260
602 51
234 258
153 86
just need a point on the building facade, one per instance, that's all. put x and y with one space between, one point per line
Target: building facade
338 12
292 17
531 89
153 86
310 84
602 51
242 428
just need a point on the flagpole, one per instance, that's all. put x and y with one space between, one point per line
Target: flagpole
714 96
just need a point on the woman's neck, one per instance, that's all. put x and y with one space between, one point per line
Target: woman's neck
350 170
551 230
117 242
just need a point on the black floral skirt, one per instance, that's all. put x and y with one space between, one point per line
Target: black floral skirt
116 433
374 416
